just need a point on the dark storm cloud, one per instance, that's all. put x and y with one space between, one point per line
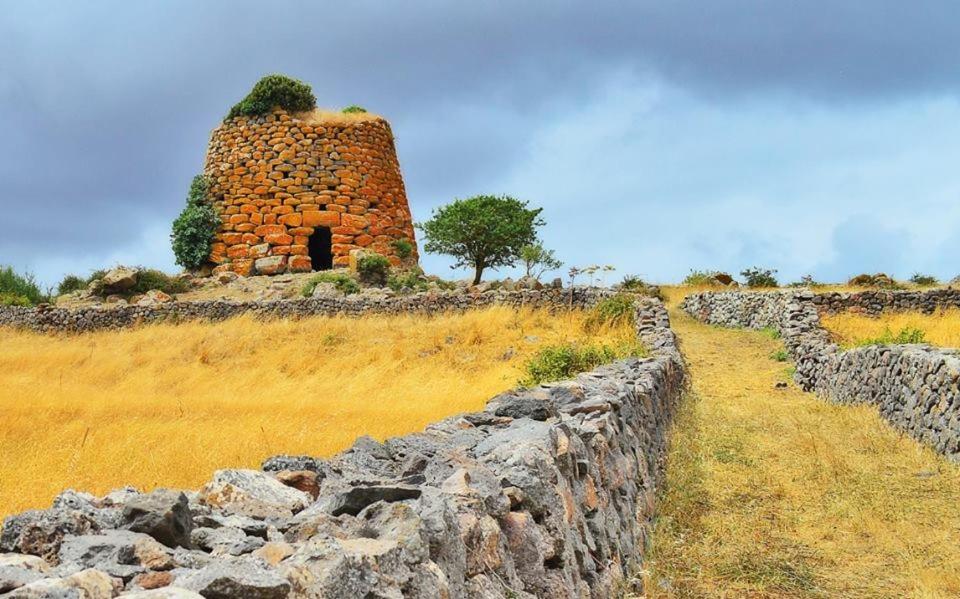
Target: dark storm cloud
105 107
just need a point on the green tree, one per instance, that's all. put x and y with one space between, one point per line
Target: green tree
537 260
193 230
483 231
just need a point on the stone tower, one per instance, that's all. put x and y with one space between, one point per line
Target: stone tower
300 192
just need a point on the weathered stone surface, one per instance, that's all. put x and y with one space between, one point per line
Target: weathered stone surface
120 553
12 577
354 500
301 480
154 297
119 279
229 580
40 532
152 580
162 514
253 493
292 463
163 593
225 540
86 584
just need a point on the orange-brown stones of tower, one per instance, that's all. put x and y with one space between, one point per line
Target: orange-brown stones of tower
297 193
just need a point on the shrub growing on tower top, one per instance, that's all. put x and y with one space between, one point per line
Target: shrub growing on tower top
272 91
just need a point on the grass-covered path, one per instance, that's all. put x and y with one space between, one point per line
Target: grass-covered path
776 493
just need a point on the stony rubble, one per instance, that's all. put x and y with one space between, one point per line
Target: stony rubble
915 387
548 492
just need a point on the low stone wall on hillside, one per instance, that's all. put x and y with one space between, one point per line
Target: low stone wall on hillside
915 387
548 492
874 303
49 319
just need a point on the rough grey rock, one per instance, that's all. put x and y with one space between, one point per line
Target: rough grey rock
164 593
292 462
162 514
119 279
87 584
40 532
253 493
120 553
229 580
225 540
354 500
523 405
12 577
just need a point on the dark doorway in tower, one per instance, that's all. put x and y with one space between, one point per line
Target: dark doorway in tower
321 254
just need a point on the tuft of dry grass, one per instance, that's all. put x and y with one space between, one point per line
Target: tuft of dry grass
165 405
323 116
850 329
776 493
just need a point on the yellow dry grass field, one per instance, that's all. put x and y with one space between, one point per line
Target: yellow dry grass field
166 405
776 493
940 328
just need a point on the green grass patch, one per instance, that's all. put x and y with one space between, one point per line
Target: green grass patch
344 283
559 362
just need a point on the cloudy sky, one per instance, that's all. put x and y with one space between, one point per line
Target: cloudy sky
816 137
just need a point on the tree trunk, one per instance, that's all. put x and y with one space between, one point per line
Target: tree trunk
478 271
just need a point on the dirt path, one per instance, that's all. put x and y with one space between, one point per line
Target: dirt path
775 493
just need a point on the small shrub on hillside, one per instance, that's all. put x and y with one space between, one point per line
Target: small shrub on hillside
780 355
806 281
701 278
12 299
611 311
403 247
194 228
924 280
903 336
353 108
635 284
538 260
444 285
344 283
149 279
288 93
71 283
373 269
558 362
771 332
16 285
410 281
879 281
759 277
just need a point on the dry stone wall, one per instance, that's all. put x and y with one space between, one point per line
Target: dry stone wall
874 303
915 387
548 492
94 318
282 182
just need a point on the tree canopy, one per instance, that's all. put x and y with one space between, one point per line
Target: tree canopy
484 231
